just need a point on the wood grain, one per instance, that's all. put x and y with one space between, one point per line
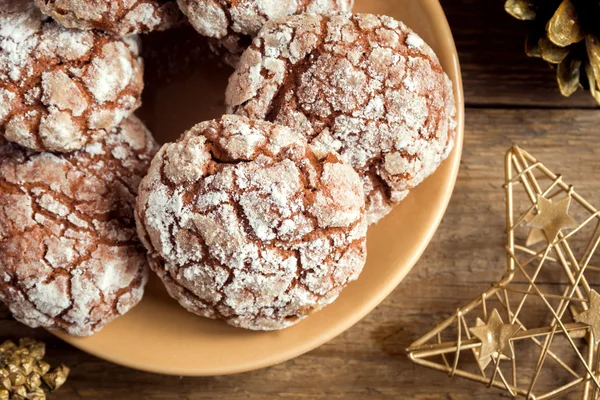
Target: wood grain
508 97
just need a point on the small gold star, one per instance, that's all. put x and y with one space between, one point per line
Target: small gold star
551 218
535 235
484 362
591 316
495 337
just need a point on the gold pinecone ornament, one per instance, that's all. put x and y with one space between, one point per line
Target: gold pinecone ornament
24 375
566 34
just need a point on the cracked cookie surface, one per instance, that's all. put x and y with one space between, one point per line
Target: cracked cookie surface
123 18
365 86
233 23
244 223
59 86
70 258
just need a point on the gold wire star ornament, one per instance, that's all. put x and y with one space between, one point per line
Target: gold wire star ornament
537 347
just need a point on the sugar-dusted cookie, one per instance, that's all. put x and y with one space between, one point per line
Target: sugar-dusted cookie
233 23
70 258
57 85
244 223
365 86
117 17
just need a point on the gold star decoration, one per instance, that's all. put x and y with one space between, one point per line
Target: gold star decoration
535 235
551 218
591 316
483 362
495 337
550 351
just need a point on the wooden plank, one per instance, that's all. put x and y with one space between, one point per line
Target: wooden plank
368 361
496 70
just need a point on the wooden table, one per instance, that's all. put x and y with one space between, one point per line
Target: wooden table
511 99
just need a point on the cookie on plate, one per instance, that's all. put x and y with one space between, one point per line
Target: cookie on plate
244 223
365 86
233 23
59 86
117 17
70 258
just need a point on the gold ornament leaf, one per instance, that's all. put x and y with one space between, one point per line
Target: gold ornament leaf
5 382
19 391
17 379
56 378
564 29
552 53
532 47
42 367
568 76
592 45
37 394
589 71
33 382
521 9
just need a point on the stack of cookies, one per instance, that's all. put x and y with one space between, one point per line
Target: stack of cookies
258 217
71 160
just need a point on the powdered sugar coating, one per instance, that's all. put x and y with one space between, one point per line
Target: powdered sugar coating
69 254
117 17
58 86
244 223
233 23
363 85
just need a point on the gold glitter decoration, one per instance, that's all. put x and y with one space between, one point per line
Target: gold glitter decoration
484 361
24 374
545 295
591 316
552 217
494 336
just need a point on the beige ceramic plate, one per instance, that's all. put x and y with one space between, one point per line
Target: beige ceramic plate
160 336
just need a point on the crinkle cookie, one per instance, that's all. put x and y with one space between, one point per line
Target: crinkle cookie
233 23
365 86
117 17
58 86
70 258
244 223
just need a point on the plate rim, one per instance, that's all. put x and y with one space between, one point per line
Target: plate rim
442 30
